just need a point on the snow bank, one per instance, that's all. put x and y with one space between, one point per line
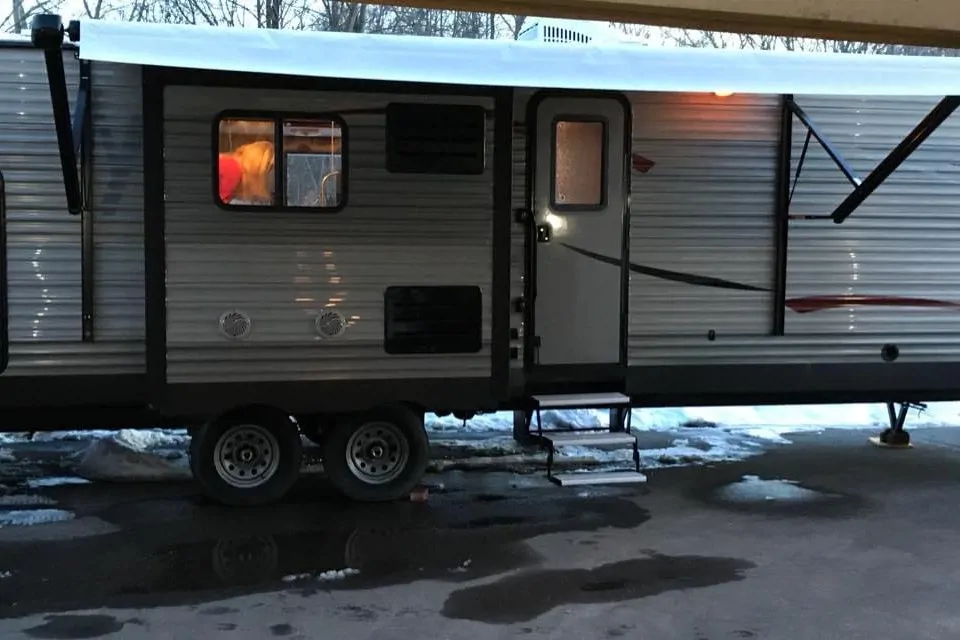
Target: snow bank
114 461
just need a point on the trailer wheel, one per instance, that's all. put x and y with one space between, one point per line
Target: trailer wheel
378 456
246 458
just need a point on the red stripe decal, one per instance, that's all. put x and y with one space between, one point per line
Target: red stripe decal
642 164
820 303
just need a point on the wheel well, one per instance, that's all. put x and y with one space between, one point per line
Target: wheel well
256 412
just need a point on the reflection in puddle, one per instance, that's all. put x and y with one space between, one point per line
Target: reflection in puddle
753 489
213 553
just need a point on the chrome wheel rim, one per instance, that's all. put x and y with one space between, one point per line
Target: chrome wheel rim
247 456
377 452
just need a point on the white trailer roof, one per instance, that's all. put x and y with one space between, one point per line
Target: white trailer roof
619 66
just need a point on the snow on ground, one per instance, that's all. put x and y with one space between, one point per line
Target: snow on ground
56 481
30 517
752 489
674 436
764 421
25 500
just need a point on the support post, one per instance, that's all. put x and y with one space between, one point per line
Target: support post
782 213
895 158
83 139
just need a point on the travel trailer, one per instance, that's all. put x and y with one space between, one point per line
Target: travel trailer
268 234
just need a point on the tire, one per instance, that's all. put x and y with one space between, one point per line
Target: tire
351 461
269 436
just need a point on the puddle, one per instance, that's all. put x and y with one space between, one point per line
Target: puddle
530 594
74 627
213 553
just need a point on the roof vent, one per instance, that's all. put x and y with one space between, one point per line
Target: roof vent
557 30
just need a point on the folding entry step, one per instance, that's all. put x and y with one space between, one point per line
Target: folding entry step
596 438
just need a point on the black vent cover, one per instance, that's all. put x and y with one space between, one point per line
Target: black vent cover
438 319
435 138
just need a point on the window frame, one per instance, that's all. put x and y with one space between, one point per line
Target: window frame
279 168
604 162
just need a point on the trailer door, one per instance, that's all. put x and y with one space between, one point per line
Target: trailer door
579 203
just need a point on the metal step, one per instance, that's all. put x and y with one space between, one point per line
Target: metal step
581 400
605 477
589 438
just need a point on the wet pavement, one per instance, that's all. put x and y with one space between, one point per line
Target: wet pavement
827 538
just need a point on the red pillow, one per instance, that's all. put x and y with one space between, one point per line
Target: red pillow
230 176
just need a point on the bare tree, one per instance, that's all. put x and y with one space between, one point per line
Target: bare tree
18 20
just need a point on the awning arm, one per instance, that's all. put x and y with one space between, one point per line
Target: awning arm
838 159
895 158
46 33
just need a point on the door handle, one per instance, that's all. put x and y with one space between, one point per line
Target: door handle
543 233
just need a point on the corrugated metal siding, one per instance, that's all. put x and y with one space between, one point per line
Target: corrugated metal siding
902 241
43 240
707 209
283 269
118 207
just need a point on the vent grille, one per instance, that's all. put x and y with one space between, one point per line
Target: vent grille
436 138
235 325
330 324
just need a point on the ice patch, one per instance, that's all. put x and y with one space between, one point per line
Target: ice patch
753 489
7 456
22 500
31 517
323 576
57 481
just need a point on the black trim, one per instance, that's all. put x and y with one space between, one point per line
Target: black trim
762 384
264 82
502 217
530 241
333 396
280 188
83 123
94 392
154 234
604 169
4 308
782 220
46 33
924 129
